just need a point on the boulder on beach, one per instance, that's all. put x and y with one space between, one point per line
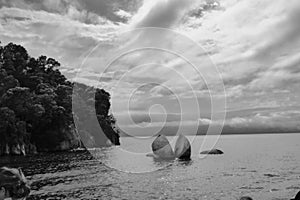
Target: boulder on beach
162 148
212 152
183 148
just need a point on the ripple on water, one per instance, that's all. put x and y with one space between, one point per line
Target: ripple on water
76 175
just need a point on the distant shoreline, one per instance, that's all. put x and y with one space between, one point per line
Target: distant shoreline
223 134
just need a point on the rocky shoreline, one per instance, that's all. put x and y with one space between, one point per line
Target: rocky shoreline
31 149
17 149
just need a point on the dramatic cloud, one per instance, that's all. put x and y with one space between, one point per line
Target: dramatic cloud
254 44
163 13
52 34
88 11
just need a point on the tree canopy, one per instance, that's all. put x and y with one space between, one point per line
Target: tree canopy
36 103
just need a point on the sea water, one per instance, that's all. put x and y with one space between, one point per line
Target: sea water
264 166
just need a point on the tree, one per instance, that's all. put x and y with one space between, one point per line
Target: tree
7 125
36 102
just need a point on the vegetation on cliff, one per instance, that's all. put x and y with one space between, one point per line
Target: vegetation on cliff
36 105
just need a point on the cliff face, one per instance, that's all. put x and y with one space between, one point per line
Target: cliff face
91 114
36 106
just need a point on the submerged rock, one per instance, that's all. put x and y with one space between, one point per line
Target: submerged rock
212 152
162 148
183 148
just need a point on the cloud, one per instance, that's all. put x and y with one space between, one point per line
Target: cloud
286 38
258 121
111 8
162 91
123 14
255 49
255 45
52 34
161 13
87 11
283 121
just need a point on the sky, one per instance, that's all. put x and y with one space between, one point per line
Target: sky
230 65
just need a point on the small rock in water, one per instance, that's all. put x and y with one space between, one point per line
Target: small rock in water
151 155
162 148
246 198
183 148
271 175
212 152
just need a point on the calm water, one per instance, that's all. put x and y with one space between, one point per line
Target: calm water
261 166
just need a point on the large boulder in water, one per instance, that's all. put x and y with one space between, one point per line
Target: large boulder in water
183 148
297 197
213 152
162 148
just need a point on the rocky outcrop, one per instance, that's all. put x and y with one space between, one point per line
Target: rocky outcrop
7 149
17 149
212 152
183 148
31 149
62 140
162 148
297 197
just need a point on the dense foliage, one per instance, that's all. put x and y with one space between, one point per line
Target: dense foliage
36 104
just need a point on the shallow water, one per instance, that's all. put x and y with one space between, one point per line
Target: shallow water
264 167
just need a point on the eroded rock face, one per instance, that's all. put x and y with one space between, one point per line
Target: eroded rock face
61 140
31 149
15 150
23 149
183 148
7 150
212 152
162 148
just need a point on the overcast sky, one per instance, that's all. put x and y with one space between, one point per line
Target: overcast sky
254 45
